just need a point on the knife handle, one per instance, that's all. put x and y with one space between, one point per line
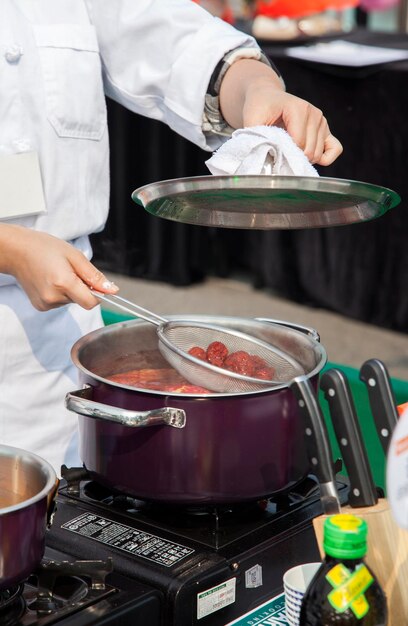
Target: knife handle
316 437
346 426
383 406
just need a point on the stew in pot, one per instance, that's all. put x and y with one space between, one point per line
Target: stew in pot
163 379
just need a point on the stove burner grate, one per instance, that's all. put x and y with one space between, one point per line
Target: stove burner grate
106 496
9 596
58 585
55 589
12 605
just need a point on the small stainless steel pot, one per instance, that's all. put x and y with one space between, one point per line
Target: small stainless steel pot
27 487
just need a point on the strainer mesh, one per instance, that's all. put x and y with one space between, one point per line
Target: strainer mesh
176 339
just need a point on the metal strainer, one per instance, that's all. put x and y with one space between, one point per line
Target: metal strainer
176 337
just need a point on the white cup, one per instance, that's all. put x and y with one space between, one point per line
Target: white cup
292 617
295 582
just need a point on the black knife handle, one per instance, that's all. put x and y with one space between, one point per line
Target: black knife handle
316 437
383 406
345 423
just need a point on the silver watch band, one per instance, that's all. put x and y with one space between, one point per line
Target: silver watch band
213 121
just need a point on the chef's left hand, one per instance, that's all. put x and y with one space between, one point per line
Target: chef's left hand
252 94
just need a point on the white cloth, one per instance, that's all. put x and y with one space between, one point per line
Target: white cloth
260 150
36 372
58 60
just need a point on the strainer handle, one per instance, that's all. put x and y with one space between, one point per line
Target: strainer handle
130 307
307 330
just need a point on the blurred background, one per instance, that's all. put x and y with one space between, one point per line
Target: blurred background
375 14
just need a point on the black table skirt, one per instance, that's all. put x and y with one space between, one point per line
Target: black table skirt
358 270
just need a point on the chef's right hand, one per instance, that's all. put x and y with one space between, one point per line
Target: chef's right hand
51 271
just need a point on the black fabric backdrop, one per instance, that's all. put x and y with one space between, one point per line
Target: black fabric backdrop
358 270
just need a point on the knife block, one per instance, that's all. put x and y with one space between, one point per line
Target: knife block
387 555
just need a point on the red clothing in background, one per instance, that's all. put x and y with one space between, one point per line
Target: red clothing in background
299 8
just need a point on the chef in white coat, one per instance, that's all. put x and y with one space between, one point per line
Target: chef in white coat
165 59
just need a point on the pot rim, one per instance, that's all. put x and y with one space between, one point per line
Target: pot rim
12 452
86 339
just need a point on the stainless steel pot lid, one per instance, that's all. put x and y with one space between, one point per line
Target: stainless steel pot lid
265 202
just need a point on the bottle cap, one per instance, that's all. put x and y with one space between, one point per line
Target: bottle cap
345 536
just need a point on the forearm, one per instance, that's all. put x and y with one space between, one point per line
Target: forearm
244 77
10 234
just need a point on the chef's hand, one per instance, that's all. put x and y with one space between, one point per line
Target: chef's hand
51 271
252 94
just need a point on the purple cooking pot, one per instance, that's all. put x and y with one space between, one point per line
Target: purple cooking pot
184 448
27 487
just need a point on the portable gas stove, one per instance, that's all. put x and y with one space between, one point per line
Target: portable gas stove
160 564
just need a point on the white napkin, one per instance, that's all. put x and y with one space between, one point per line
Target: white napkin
260 150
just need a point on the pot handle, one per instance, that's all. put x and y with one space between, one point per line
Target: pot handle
307 330
81 402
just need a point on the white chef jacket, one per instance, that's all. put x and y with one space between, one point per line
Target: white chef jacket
58 59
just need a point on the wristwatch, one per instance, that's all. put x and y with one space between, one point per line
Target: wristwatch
213 121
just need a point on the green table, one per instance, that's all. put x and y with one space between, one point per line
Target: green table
359 391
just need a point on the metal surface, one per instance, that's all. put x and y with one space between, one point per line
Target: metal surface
265 202
317 443
26 481
81 402
177 337
345 423
383 406
234 447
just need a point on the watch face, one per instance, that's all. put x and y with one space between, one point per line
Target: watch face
397 472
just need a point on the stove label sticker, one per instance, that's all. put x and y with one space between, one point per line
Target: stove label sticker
253 577
137 542
270 613
216 598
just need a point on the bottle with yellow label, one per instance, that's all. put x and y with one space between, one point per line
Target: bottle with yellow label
344 591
